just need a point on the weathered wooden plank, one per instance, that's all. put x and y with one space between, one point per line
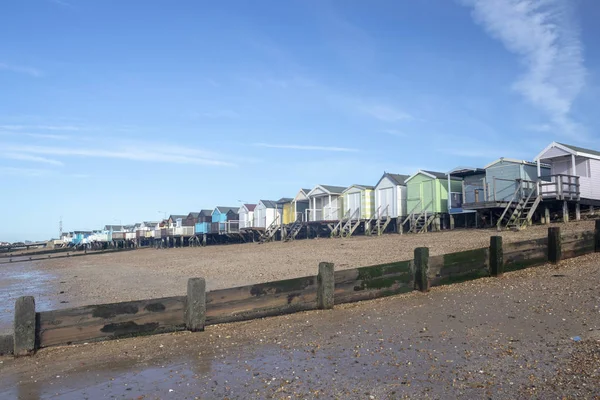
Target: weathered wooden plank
459 266
373 281
526 245
578 236
350 292
527 258
111 321
262 289
373 271
261 306
576 249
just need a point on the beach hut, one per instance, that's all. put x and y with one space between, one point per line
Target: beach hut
266 213
326 203
504 193
300 205
191 219
246 213
204 220
427 199
390 195
574 177
359 202
286 207
473 186
224 220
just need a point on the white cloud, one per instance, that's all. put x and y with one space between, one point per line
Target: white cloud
29 172
36 73
218 114
540 128
394 132
60 3
29 157
544 36
385 113
72 128
130 151
305 147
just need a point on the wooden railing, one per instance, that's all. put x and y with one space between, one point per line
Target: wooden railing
561 187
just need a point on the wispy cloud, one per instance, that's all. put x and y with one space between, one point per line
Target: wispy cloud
544 36
130 151
31 158
70 128
542 128
35 135
385 113
218 114
29 172
306 147
37 172
60 3
394 132
21 69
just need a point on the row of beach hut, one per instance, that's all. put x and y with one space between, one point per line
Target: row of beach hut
506 193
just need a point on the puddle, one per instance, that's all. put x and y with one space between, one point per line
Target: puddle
22 279
247 372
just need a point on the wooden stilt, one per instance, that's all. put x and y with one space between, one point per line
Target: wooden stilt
577 212
565 211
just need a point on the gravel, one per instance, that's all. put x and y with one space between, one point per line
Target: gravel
150 273
501 338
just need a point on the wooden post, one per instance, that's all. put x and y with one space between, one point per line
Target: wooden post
451 221
421 268
597 236
547 215
325 286
24 334
591 210
565 211
496 256
554 245
195 309
577 212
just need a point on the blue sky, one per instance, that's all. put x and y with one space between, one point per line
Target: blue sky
111 110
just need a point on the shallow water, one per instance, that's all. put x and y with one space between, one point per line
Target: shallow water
22 279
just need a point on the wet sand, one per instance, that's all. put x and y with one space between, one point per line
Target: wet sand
500 338
150 273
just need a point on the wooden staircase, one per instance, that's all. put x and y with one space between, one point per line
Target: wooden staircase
521 207
337 228
378 222
270 231
294 230
351 224
421 222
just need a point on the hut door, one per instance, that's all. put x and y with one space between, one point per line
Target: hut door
353 203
